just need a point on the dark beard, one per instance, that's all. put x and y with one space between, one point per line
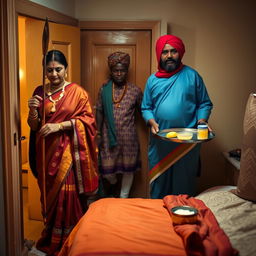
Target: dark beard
170 67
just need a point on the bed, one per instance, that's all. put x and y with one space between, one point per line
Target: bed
139 226
235 215
144 227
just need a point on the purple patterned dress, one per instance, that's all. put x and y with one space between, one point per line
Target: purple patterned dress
125 157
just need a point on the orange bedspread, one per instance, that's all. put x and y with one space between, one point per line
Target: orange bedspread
118 227
144 227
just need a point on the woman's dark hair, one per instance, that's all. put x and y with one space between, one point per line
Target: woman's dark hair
55 55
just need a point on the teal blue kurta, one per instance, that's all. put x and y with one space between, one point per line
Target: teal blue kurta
175 102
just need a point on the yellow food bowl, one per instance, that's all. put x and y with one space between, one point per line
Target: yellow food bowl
184 215
171 134
184 135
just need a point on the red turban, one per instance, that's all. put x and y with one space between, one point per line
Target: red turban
175 42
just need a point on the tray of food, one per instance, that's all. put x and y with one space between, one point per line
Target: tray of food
184 135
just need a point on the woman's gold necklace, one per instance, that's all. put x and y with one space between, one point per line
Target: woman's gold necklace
54 102
117 102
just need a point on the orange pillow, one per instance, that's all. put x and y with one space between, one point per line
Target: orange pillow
246 187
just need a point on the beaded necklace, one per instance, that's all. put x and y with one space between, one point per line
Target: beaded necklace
117 101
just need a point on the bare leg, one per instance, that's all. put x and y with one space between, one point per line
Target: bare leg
127 180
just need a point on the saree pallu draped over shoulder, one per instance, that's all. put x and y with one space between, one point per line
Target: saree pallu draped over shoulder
70 164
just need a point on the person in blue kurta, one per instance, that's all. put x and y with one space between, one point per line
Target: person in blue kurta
174 97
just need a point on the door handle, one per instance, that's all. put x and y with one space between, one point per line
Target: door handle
22 138
15 139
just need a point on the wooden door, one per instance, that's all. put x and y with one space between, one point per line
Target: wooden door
64 38
96 46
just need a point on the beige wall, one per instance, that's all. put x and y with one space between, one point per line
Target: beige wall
64 6
220 44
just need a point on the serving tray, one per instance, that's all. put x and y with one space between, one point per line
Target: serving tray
162 135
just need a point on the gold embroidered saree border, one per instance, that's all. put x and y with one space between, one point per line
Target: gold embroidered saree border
64 167
86 161
77 158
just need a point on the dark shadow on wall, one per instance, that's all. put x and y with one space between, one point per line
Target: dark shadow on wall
188 37
213 168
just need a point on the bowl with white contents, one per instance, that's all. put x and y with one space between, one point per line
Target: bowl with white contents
184 135
184 215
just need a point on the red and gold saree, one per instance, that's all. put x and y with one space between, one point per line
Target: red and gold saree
70 165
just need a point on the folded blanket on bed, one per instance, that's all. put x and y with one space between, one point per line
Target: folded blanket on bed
205 237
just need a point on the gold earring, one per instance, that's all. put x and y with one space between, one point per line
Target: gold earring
66 75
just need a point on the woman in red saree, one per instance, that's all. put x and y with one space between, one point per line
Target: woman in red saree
70 158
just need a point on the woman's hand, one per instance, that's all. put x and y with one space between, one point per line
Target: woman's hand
33 119
34 102
50 128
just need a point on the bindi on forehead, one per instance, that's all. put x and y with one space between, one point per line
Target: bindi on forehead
54 64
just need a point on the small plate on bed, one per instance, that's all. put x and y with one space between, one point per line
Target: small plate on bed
183 135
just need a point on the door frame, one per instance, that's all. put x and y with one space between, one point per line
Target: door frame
155 26
10 174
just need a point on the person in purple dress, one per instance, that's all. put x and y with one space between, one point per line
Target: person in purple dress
119 151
